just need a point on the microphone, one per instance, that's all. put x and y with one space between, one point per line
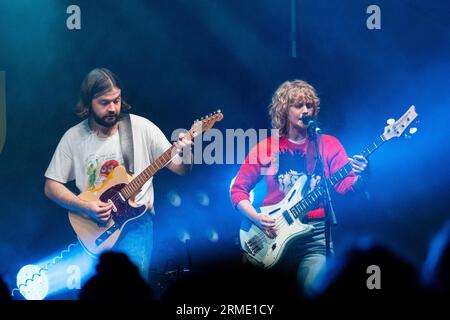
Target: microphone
308 120
312 124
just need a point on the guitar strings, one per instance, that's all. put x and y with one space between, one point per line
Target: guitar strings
262 237
261 233
116 196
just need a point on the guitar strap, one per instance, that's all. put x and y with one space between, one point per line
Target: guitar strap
126 142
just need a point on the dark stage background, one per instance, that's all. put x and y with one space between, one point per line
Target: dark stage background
179 60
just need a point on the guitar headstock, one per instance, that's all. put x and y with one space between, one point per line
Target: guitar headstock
397 128
205 123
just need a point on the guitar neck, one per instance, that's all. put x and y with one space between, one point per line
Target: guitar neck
138 182
306 204
339 175
198 127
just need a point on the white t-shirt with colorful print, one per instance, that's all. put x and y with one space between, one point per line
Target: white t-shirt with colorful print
88 159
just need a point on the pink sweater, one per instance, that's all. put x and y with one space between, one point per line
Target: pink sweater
294 160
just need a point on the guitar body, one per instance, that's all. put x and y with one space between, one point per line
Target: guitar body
94 237
264 251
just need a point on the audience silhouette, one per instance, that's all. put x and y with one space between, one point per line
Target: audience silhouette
436 269
368 272
116 278
4 291
232 282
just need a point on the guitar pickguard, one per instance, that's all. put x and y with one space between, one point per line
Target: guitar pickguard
122 211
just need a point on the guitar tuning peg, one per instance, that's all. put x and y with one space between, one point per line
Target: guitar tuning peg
218 111
390 121
412 130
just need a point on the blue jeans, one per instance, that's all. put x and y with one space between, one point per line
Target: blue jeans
136 241
307 256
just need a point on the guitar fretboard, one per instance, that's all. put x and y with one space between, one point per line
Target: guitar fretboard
199 126
300 209
136 184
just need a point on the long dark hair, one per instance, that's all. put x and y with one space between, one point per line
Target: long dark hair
96 83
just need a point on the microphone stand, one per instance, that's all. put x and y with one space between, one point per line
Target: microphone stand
188 253
330 216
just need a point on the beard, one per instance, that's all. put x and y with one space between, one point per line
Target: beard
107 121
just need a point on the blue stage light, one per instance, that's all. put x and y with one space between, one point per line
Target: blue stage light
203 198
212 235
174 198
183 235
32 282
58 274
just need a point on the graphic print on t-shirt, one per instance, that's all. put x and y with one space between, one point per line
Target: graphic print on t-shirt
291 166
99 168
91 171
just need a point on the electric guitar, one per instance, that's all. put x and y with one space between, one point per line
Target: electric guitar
266 252
119 188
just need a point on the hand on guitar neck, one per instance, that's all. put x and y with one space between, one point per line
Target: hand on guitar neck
359 164
182 164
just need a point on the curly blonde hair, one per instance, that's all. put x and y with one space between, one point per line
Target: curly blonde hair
288 94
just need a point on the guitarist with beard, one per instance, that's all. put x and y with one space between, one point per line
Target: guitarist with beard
89 151
293 159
